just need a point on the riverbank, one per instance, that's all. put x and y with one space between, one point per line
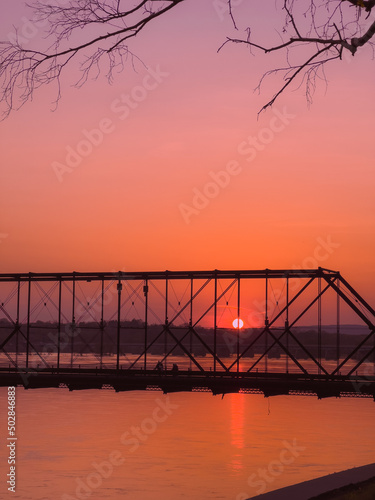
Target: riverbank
364 490
325 485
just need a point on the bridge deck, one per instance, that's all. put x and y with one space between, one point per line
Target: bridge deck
270 384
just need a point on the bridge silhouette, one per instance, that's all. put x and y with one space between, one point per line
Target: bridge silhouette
311 333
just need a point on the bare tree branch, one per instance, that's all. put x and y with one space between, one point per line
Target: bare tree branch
23 70
338 31
313 33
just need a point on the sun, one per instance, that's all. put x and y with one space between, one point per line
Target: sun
237 323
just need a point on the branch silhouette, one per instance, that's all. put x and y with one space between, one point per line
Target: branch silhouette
97 34
329 40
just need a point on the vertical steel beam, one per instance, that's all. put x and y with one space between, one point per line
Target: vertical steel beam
166 321
73 328
319 323
59 328
145 292
215 324
191 319
287 324
338 326
28 322
266 324
119 288
102 325
18 319
238 322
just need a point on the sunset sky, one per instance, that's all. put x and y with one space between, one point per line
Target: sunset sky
123 205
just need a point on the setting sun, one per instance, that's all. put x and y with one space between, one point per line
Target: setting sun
237 323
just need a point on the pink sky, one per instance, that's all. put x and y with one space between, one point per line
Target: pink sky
120 206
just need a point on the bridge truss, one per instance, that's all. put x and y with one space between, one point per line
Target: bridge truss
234 326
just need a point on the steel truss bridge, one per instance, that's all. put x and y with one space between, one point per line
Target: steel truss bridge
258 331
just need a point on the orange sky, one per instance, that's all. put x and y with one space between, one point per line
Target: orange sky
122 205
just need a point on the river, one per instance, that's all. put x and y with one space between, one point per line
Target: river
99 444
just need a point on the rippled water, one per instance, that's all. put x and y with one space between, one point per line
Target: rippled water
99 444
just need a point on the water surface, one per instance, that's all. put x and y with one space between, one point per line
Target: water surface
199 446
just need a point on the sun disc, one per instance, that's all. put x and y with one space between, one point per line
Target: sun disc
237 323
